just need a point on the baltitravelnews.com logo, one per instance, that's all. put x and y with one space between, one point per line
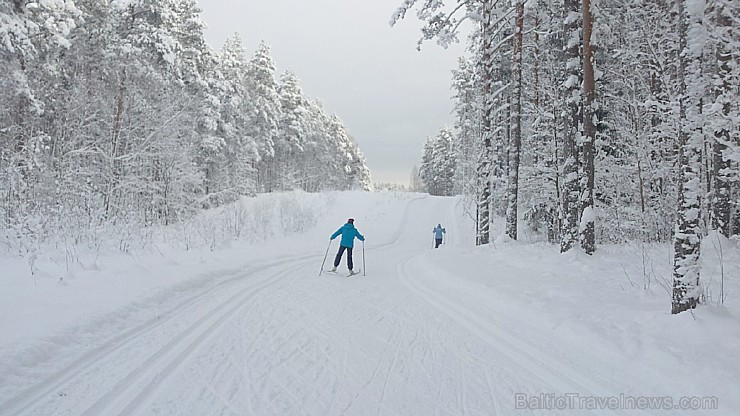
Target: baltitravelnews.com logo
569 401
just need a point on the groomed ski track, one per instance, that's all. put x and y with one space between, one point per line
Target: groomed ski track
272 338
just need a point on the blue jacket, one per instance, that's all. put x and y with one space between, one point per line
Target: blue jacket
349 232
438 230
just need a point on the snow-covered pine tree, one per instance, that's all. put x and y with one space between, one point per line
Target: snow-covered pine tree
209 150
571 120
289 152
264 124
426 171
158 134
590 121
541 107
688 233
32 37
515 141
467 126
238 175
317 151
725 157
437 170
445 140
443 163
490 95
194 56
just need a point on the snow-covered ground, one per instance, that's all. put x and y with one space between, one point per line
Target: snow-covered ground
240 323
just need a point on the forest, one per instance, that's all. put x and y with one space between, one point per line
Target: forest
592 121
119 113
602 120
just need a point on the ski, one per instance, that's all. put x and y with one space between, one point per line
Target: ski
340 274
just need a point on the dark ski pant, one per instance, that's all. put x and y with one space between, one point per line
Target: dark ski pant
438 241
338 258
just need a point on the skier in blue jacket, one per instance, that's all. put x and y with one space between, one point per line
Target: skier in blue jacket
348 232
438 234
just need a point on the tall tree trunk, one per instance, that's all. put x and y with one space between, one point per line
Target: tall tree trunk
569 234
117 149
721 204
516 124
484 161
590 112
687 239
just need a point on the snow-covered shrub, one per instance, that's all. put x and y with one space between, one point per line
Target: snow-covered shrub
542 218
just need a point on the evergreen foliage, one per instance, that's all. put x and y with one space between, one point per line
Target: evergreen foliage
634 110
437 167
117 112
608 120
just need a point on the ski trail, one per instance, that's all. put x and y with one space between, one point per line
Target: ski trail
189 297
492 397
390 368
355 294
161 365
529 361
410 338
520 353
537 362
82 378
462 382
56 381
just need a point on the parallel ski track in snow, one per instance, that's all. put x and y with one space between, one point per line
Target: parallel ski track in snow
522 353
138 370
378 382
83 387
146 368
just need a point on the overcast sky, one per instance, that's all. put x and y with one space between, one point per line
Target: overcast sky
390 96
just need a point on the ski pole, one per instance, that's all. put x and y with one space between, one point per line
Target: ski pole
325 254
364 269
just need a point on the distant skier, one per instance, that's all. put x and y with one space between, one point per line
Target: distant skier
348 232
438 235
